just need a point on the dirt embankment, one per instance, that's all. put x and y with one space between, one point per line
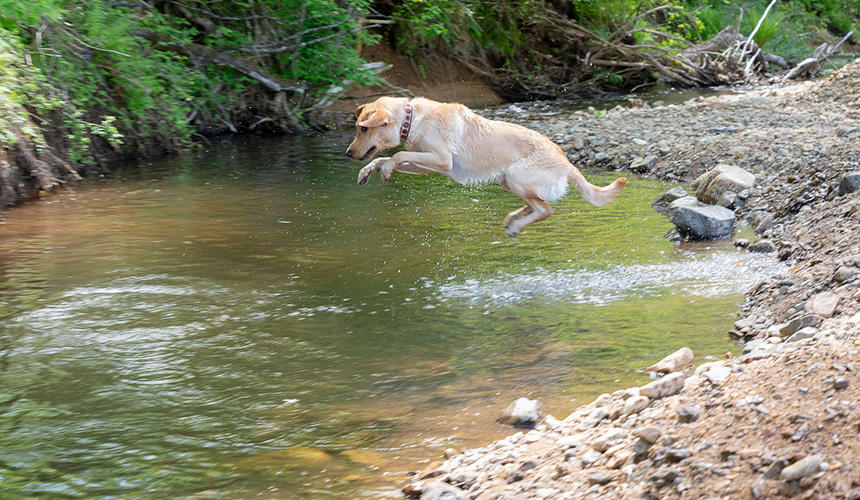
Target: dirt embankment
435 78
782 420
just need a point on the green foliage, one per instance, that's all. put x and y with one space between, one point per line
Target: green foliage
97 69
605 16
462 26
770 25
838 16
787 24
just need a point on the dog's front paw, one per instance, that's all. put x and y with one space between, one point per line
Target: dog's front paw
368 170
363 175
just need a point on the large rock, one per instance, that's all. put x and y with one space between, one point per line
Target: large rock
723 178
702 222
523 412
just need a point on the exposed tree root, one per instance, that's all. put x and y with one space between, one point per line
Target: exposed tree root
27 169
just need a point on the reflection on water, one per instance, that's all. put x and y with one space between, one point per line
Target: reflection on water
246 321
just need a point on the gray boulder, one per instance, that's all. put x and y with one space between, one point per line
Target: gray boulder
723 178
702 222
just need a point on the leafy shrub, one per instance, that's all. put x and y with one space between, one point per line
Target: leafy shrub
129 74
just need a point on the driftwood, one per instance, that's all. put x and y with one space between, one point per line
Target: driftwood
810 66
728 57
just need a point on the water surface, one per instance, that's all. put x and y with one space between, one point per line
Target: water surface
245 321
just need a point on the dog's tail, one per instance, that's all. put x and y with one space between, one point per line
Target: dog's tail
595 195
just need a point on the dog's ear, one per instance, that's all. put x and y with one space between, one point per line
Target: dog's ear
358 110
377 118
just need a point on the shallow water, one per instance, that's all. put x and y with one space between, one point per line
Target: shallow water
246 321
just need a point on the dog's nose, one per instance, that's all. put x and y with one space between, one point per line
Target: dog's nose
349 153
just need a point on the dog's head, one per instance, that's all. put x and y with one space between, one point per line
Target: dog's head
376 130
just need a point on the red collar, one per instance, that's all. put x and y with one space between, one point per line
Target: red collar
407 122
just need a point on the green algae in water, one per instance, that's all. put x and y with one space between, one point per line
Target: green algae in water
247 321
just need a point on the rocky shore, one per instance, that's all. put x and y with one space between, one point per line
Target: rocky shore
781 420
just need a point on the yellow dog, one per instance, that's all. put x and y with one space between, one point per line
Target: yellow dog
454 141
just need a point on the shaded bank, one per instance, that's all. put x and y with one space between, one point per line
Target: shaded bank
87 82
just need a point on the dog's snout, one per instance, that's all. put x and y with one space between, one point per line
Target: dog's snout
349 153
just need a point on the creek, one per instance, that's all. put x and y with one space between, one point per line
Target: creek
246 321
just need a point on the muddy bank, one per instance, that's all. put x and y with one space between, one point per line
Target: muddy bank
781 420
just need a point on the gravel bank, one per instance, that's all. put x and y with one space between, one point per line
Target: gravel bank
781 420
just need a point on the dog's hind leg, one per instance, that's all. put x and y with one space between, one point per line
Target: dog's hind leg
515 214
540 210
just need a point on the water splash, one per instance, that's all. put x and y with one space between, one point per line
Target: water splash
711 275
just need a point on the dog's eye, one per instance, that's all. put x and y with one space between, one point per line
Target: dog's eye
364 129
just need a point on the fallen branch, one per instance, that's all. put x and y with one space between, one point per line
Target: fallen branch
204 55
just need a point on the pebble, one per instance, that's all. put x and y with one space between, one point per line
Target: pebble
840 382
589 457
688 414
800 323
664 476
844 273
805 467
849 183
599 478
640 446
649 434
547 493
822 304
609 439
718 374
635 404
803 334
762 246
440 490
677 454
662 203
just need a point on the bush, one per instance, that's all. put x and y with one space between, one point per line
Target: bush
157 76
